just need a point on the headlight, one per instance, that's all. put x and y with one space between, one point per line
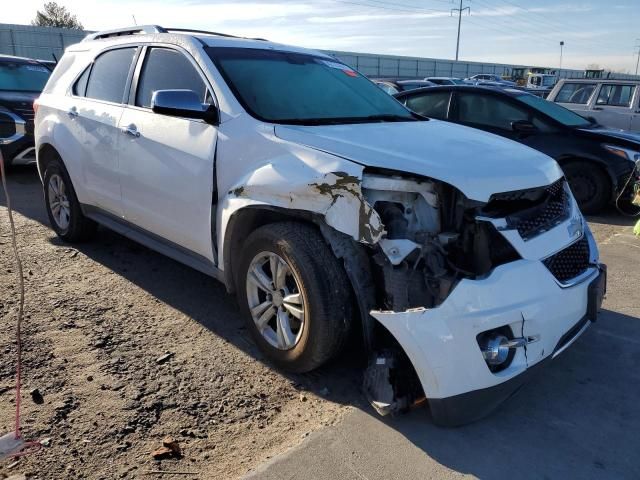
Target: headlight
626 153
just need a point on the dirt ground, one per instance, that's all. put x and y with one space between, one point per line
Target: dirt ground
128 347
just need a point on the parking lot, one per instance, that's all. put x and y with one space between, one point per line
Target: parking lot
126 347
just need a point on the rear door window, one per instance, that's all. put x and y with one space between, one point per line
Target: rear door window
109 75
167 69
433 105
616 95
576 92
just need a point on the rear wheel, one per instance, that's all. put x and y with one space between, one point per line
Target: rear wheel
295 296
590 186
63 208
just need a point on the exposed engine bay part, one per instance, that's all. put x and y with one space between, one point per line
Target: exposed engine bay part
432 240
390 383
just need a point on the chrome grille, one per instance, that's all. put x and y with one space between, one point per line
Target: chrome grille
25 113
570 262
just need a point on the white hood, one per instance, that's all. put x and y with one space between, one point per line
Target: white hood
477 163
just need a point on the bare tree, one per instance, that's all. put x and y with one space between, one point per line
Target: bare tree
54 15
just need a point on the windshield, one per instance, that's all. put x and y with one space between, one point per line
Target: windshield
295 88
555 111
23 77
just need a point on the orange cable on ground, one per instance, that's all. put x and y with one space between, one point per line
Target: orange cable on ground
25 447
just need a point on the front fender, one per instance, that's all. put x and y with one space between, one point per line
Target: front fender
299 178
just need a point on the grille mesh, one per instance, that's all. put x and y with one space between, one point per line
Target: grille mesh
570 262
555 210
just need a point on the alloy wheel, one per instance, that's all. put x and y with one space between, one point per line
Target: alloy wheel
59 202
275 300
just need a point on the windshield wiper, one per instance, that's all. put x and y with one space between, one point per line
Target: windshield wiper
346 120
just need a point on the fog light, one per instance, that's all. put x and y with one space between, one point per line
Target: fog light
495 349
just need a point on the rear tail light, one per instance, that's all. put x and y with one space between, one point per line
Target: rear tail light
35 106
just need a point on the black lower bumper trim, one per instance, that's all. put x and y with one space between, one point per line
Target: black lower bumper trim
472 406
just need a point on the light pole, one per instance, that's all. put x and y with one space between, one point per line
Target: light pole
561 48
638 61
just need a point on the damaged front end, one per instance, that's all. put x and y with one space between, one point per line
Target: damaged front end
433 240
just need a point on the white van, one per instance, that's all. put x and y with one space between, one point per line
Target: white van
612 103
460 258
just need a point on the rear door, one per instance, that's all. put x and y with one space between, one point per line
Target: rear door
94 113
613 106
167 163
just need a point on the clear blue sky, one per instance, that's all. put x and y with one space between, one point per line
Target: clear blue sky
601 32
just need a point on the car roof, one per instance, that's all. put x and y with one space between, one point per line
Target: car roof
511 92
599 80
155 33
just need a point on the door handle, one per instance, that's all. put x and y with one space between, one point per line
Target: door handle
130 130
72 112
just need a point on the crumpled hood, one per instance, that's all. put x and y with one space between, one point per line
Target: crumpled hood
477 163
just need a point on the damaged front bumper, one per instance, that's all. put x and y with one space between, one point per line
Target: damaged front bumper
523 296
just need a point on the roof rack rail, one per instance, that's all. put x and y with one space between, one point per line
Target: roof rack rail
205 32
117 32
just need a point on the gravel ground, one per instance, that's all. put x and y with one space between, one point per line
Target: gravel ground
128 347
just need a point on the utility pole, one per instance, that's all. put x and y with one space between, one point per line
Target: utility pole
459 10
638 61
561 48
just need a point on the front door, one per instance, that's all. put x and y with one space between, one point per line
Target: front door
167 163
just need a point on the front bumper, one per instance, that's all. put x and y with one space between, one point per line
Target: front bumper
442 342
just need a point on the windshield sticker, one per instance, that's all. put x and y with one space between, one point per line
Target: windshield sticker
36 68
339 66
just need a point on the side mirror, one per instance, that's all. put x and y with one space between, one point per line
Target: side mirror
592 120
183 103
524 127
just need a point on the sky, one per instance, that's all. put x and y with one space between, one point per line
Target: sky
526 32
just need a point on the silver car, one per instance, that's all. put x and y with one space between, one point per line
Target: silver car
612 103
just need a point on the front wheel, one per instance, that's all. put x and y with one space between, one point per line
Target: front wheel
295 296
590 186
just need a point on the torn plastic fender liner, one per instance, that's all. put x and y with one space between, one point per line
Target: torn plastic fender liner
335 195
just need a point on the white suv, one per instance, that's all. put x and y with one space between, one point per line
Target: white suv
460 258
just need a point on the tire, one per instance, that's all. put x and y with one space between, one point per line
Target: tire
313 276
590 186
77 228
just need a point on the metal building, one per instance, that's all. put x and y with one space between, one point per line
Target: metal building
45 42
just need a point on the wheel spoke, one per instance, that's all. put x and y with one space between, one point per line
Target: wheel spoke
280 278
293 305
53 185
286 338
259 309
267 315
61 188
55 209
260 279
